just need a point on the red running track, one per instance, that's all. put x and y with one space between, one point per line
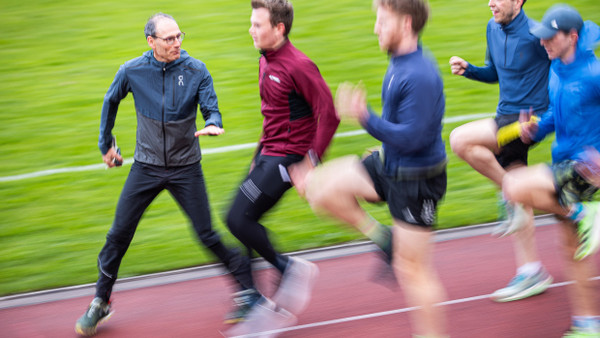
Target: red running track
344 304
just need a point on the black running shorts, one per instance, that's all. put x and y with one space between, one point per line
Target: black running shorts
514 152
414 200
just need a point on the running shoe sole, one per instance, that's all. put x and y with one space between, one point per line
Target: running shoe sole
535 289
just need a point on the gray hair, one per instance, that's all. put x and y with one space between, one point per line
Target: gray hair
150 29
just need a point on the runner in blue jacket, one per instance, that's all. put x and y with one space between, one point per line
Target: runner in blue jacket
575 100
567 186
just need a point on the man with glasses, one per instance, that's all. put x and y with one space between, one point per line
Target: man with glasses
167 85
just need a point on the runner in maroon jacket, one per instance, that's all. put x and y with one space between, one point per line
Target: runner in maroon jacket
299 122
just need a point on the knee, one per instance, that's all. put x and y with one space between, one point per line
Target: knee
325 184
119 239
510 189
315 198
235 221
458 143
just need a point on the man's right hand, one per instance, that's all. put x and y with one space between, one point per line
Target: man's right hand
300 173
110 156
458 65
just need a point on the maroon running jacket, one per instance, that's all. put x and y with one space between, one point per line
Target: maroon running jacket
296 103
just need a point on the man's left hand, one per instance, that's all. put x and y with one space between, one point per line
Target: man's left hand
210 130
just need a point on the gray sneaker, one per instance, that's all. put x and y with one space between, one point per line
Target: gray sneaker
522 286
516 219
265 319
98 312
296 285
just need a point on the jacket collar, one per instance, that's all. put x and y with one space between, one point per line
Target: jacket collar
518 22
150 56
273 53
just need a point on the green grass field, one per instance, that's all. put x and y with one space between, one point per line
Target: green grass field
58 59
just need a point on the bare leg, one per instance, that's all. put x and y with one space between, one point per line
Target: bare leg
413 262
475 143
533 186
524 242
584 297
336 187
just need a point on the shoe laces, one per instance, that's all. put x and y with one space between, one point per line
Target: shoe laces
246 298
517 279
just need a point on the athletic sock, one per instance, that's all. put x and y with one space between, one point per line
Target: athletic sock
529 269
587 324
376 232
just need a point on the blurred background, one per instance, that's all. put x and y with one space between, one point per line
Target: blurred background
58 58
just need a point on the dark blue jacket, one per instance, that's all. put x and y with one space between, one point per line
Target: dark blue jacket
166 98
516 60
410 126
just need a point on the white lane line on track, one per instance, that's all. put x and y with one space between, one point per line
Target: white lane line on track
383 313
218 150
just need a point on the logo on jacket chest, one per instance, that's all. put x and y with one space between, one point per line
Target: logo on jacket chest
180 81
274 78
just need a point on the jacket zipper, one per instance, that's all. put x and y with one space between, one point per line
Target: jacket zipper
505 47
163 120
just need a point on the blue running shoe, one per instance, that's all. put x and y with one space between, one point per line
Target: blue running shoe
523 286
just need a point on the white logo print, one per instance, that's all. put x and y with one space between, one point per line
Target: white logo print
274 78
554 24
180 78
391 80
428 213
408 216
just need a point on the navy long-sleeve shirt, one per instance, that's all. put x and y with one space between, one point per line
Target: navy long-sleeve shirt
410 125
516 60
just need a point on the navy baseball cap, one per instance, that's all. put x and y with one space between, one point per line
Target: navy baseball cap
557 18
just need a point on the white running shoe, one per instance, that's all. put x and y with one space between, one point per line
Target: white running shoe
264 320
516 219
523 286
296 285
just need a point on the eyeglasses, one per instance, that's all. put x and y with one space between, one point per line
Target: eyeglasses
171 39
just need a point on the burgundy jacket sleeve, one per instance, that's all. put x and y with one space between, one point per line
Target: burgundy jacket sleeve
315 91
